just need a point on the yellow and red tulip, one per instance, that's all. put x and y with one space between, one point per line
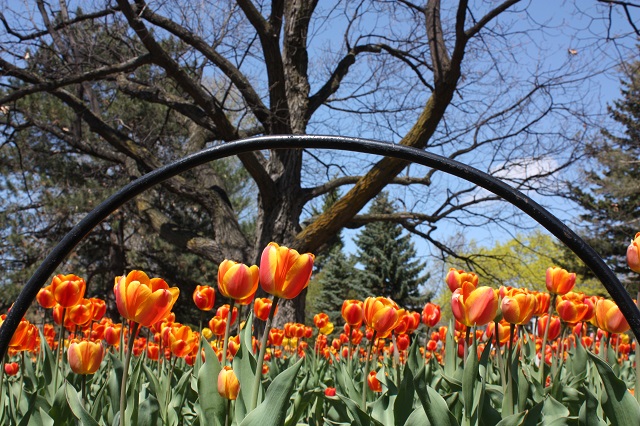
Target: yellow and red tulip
228 384
431 315
85 356
518 307
237 281
633 254
381 314
352 312
204 297
284 272
560 281
68 290
474 306
609 318
455 278
143 300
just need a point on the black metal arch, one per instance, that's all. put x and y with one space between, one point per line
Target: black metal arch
468 173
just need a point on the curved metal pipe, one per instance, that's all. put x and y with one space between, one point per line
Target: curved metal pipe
588 255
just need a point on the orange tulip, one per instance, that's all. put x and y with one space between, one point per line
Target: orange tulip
320 320
633 254
519 307
153 351
217 325
228 384
455 278
236 280
381 314
204 297
261 308
403 341
352 312
284 272
559 281
223 312
45 297
474 306
609 318
504 330
574 307
276 336
431 315
81 313
112 334
543 302
20 335
85 356
182 340
99 308
68 289
373 382
554 328
143 300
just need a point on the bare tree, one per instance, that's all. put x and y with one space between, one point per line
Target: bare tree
458 79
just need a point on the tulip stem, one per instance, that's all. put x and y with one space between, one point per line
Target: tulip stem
466 346
125 372
227 327
263 350
83 386
496 338
60 352
198 363
365 373
228 413
544 341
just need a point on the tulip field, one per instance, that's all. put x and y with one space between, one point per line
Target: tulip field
509 356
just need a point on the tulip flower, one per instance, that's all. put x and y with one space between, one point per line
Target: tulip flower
633 254
11 368
182 340
223 312
474 306
352 312
204 297
218 325
330 391
99 308
284 272
112 334
236 280
455 278
228 384
68 290
85 356
261 308
609 318
45 297
574 307
519 307
431 315
559 281
381 314
373 382
554 328
81 313
143 300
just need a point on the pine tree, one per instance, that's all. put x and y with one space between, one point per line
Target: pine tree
612 198
388 259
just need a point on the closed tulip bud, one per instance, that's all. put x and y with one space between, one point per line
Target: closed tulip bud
352 312
455 278
403 342
431 315
330 392
143 300
609 318
68 290
228 384
85 356
11 368
112 334
474 306
554 327
559 281
519 307
217 325
45 297
223 312
373 382
381 314
633 254
284 272
204 297
99 308
261 308
236 280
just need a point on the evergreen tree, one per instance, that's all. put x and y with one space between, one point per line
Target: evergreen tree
388 259
611 199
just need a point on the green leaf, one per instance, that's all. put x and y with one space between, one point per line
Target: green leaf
417 418
115 380
60 411
619 405
434 405
212 405
149 412
381 409
512 420
403 404
273 410
450 352
77 408
589 411
360 418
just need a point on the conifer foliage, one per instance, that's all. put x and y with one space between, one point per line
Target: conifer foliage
388 259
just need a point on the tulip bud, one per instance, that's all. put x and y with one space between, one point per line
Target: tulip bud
204 296
236 280
85 356
284 272
373 382
633 254
228 384
559 281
